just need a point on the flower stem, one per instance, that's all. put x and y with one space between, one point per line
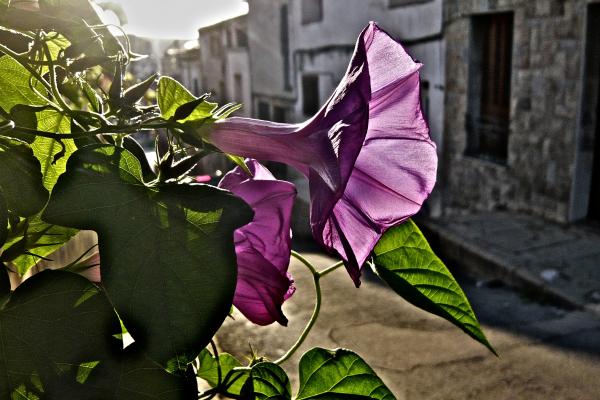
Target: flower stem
315 314
331 268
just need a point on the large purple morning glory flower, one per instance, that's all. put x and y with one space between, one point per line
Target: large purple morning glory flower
367 152
263 246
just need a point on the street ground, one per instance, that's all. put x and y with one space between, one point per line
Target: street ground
545 352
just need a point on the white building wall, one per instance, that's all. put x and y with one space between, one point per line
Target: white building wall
237 63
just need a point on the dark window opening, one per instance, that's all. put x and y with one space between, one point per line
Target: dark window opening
241 38
425 98
403 3
591 112
278 114
264 110
215 45
489 86
238 85
285 46
312 11
310 94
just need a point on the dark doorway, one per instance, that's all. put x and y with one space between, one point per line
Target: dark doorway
594 205
591 116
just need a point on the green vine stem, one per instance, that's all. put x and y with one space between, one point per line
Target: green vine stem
315 314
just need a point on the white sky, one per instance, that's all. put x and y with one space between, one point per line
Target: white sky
175 19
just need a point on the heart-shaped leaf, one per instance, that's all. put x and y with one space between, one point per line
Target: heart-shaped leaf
52 322
56 342
21 178
171 95
267 382
339 374
404 260
168 259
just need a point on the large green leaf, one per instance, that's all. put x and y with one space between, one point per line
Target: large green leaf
404 260
56 342
21 178
53 321
168 259
171 95
15 87
267 382
209 371
339 375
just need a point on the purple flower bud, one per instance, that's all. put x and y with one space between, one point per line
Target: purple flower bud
367 152
263 246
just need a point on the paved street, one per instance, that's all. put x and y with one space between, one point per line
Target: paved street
545 352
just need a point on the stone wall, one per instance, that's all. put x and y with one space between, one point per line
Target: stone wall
548 43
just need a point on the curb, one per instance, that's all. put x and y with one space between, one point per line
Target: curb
481 263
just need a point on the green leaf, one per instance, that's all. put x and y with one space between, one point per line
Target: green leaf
4 283
52 321
3 220
338 375
47 150
15 87
42 239
209 370
404 260
20 178
167 250
56 332
267 382
171 95
136 92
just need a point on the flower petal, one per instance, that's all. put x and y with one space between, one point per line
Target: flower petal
263 246
396 168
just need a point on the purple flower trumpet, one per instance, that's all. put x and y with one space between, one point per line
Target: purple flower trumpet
263 246
367 152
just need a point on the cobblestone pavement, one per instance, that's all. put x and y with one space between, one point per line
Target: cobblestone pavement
545 352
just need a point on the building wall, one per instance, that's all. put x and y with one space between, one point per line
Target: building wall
548 42
268 68
224 54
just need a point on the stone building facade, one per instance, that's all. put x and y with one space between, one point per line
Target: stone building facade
521 107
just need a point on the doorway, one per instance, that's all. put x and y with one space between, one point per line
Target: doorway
594 204
593 84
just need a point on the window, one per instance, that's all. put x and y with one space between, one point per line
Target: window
312 11
241 38
238 85
285 46
215 45
310 92
402 3
278 114
264 110
489 86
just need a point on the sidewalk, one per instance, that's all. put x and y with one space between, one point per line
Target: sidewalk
560 263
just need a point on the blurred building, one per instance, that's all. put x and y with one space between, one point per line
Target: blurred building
521 115
510 88
181 61
225 62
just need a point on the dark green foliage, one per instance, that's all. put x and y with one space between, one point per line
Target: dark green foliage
165 250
